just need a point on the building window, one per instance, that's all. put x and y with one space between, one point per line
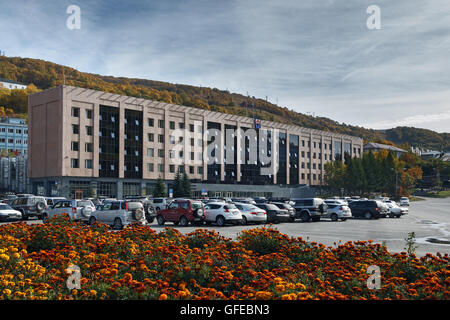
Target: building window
10 130
75 146
172 139
161 153
75 112
88 164
75 129
160 138
89 131
192 142
151 137
150 167
75 163
191 170
150 152
200 170
88 114
161 167
181 125
151 122
19 131
172 125
171 168
161 124
89 147
10 140
191 128
171 154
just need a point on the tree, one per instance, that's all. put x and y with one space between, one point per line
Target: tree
187 190
160 188
178 190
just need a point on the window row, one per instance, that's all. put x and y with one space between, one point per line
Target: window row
11 130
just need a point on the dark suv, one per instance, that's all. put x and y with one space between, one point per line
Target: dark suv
368 209
182 212
309 208
274 214
30 206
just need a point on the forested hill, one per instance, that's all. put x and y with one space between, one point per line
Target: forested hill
44 75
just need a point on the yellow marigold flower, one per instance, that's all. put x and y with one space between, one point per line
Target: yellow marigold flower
7 292
93 292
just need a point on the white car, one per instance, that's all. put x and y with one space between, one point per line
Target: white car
395 211
404 201
6 212
337 209
78 210
160 203
251 213
222 213
119 214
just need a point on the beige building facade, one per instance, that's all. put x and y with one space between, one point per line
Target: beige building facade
85 142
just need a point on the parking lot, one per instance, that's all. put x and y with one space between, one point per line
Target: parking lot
429 219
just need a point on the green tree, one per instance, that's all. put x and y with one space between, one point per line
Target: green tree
160 189
187 190
178 190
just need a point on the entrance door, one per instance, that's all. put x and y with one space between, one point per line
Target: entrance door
78 194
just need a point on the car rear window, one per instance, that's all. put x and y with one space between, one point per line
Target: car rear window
196 205
229 206
157 200
84 203
271 207
134 205
5 207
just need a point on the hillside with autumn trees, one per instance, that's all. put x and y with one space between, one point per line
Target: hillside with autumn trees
41 75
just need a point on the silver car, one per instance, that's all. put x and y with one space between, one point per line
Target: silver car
119 214
251 213
78 210
337 210
6 212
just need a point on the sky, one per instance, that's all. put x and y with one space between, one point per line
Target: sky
313 56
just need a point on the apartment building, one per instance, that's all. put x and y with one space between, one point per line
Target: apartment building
84 142
13 136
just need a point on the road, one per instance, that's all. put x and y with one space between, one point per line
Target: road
429 219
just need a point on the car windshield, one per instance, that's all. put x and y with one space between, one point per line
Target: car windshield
196 205
134 205
272 207
5 207
85 203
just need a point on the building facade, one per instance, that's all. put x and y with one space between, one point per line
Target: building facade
13 136
11 84
13 174
84 143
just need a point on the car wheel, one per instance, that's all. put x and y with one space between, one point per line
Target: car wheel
343 219
118 224
398 216
92 220
334 217
160 220
391 215
304 216
175 223
150 220
184 221
220 221
368 215
315 219
244 220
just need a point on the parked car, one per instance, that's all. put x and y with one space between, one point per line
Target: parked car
309 208
337 210
78 210
394 210
52 200
150 212
6 212
159 203
119 214
404 201
244 200
222 213
275 214
183 212
369 209
260 199
30 206
287 207
251 213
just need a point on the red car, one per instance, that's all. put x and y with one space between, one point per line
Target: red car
182 212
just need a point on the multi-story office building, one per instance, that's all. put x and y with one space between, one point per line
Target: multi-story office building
85 142
13 136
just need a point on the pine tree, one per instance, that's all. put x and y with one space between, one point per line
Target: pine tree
160 189
187 190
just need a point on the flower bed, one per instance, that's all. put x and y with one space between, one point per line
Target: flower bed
139 263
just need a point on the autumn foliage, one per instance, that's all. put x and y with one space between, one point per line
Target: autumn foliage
139 263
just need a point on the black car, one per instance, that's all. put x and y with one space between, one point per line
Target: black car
287 207
274 214
368 209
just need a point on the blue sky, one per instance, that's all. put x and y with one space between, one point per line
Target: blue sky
315 56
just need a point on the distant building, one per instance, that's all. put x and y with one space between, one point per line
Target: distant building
11 84
375 147
435 155
13 136
13 174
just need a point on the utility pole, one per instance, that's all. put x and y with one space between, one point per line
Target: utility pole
396 182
